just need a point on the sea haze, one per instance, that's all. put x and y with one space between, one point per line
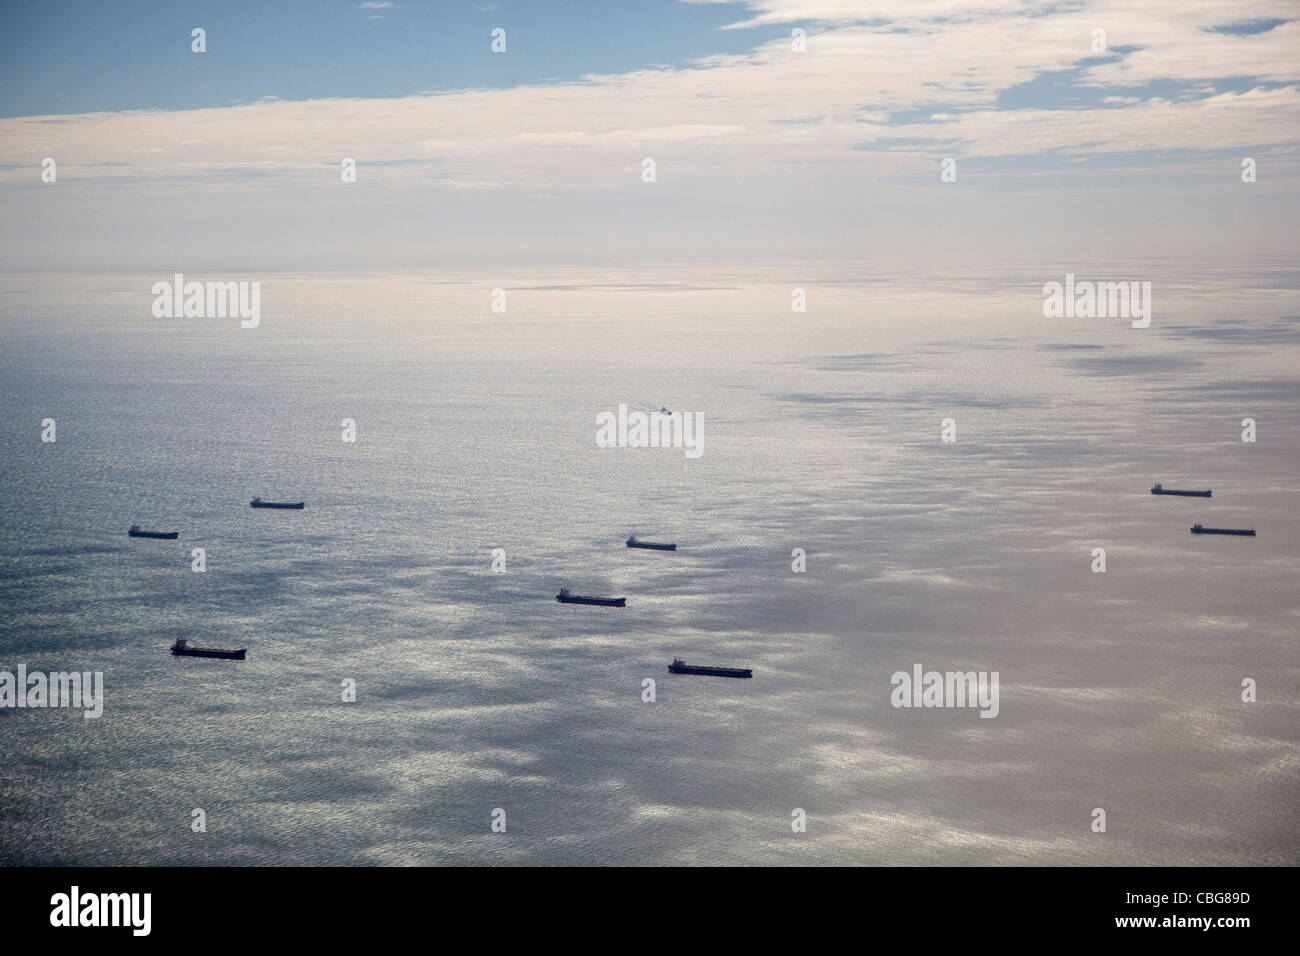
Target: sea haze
476 690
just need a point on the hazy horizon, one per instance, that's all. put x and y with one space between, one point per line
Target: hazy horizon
232 158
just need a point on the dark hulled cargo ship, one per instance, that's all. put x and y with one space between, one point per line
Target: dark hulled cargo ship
632 542
136 532
679 666
182 649
1245 532
564 597
259 503
1156 489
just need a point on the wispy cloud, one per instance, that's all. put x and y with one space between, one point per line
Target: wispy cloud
771 108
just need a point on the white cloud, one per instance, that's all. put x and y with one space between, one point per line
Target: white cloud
740 117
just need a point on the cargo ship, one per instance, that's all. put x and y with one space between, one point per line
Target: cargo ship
182 649
679 666
1156 489
564 597
632 542
259 503
1247 532
135 532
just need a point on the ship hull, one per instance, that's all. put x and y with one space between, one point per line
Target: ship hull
602 602
651 547
295 506
165 535
1242 532
210 652
1185 494
711 671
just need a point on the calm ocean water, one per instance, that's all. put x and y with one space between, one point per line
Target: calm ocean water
477 691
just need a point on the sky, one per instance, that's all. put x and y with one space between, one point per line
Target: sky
1065 143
